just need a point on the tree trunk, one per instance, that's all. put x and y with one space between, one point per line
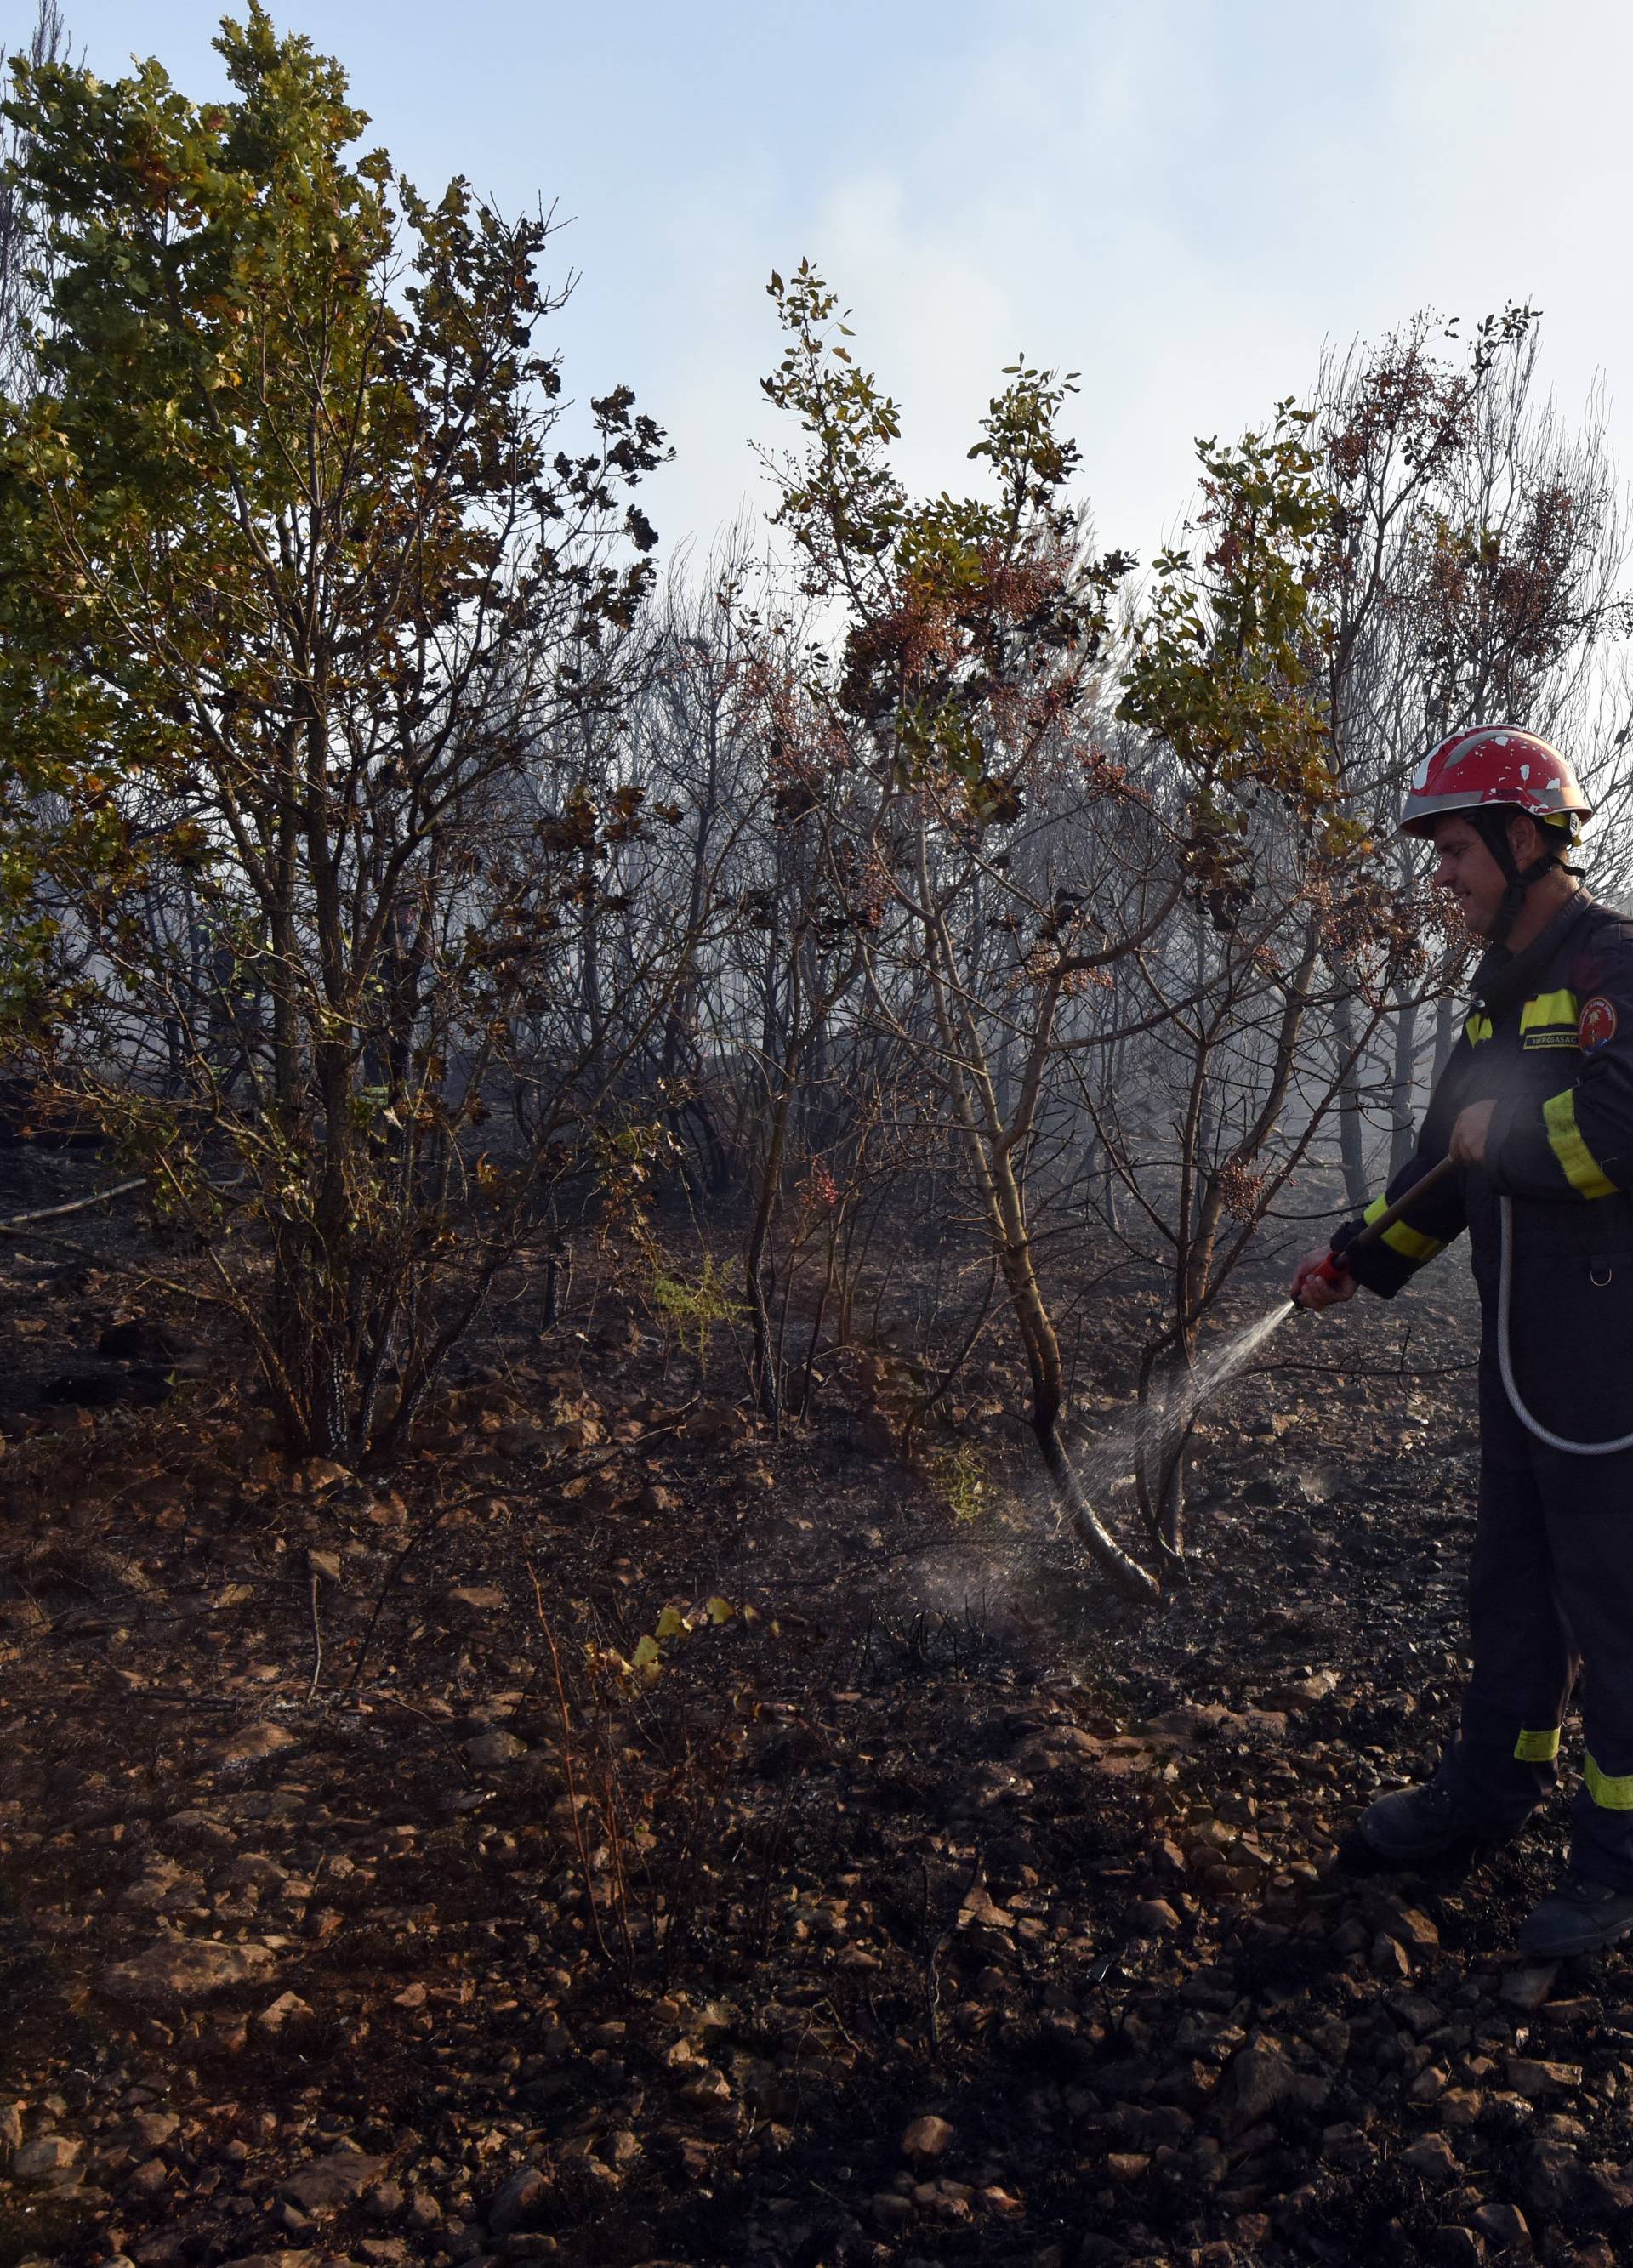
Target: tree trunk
993 1147
1403 1078
1101 1546
1445 1034
1352 1154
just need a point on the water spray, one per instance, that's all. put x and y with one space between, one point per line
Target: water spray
1109 1457
1225 1361
1231 1357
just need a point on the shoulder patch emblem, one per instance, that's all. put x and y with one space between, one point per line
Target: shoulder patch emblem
1598 1026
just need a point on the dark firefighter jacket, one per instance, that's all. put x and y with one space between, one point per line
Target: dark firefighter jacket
1550 1039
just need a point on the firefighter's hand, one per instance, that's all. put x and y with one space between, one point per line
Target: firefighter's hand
1312 1289
1469 1131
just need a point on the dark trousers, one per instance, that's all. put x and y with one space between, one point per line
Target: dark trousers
1551 1599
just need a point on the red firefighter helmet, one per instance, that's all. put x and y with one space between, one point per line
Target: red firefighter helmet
1493 763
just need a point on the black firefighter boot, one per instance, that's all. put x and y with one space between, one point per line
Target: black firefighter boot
1415 1824
1577 1916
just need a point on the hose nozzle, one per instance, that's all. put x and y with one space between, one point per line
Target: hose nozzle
1331 1270
1335 1267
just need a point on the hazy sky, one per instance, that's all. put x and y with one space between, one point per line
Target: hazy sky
1181 199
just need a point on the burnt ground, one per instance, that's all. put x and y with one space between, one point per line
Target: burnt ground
372 1894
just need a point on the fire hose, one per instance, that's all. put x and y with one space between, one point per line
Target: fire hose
1505 1285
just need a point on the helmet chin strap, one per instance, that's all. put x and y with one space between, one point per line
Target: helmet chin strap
1490 823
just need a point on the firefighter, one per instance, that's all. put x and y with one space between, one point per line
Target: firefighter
1535 1104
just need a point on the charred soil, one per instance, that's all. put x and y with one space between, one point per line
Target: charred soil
614 1837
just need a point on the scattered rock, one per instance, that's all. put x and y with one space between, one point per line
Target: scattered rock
925 2138
268 2260
1390 1959
1554 2178
515 2200
1176 2120
288 2008
1609 2196
153 2129
480 1599
1535 2080
1432 2159
1307 1691
325 2184
715 1424
1461 2106
1259 2078
1460 2246
254 1743
1349 2148
161 1884
1595 2252
179 1970
979 1907
1503 2225
47 2159
1529 1988
318 1475
1408 1925
255 1871
492 1751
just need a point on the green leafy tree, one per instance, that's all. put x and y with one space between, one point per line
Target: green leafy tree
964 692
1110 803
973 624
301 591
1226 665
1227 679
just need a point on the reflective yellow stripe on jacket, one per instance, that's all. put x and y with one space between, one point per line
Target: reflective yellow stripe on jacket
1611 1791
1410 1243
1581 1169
1548 1008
